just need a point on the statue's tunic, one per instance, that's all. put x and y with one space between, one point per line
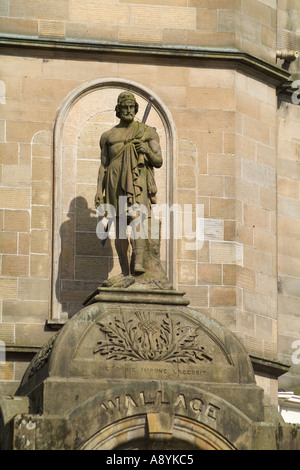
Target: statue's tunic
130 174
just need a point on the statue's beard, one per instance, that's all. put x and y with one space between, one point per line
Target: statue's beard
128 117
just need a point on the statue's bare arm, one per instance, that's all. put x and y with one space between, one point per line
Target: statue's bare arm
99 197
151 148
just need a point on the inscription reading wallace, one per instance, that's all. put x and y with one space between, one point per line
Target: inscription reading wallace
143 338
198 407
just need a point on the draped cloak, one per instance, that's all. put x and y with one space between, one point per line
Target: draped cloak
130 174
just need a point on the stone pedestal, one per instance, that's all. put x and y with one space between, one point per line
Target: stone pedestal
138 369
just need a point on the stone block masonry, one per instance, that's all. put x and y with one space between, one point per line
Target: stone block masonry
250 26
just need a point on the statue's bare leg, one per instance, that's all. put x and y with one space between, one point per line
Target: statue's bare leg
122 247
138 249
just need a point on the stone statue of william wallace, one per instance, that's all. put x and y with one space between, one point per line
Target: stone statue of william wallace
129 153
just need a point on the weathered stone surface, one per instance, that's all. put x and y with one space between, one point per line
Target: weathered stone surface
9 407
152 336
136 373
126 190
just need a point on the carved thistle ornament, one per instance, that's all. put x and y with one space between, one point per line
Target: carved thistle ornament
145 337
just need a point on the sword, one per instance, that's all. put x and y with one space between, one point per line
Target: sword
107 228
145 117
147 110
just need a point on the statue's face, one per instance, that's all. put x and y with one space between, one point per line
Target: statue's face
127 110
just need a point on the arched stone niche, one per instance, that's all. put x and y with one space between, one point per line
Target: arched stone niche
79 263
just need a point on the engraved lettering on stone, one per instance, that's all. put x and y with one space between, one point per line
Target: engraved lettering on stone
143 399
144 338
180 402
129 401
212 411
196 405
111 405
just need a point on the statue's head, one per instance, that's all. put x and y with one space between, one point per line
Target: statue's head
125 98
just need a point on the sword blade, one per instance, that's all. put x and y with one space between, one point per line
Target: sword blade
147 110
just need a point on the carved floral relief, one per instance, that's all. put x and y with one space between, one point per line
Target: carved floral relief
146 337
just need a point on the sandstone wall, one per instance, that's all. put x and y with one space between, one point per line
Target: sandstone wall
249 26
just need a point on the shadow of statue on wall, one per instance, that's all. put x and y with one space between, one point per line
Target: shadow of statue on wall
83 262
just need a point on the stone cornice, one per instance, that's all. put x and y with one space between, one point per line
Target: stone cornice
269 367
229 57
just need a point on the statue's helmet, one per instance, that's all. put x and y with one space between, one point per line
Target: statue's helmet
125 96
